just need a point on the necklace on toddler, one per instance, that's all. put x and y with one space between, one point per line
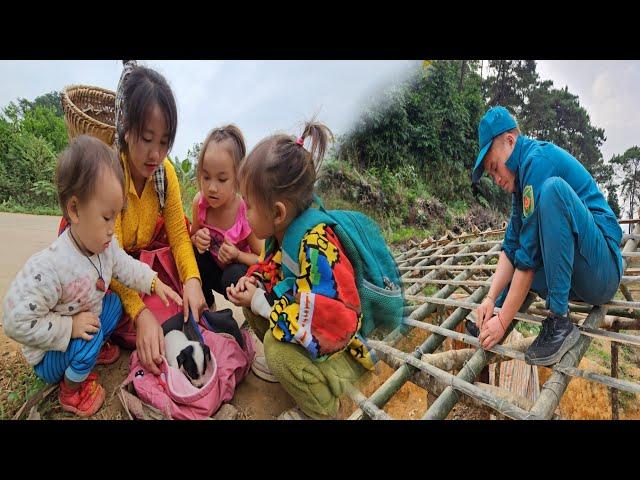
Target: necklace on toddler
100 283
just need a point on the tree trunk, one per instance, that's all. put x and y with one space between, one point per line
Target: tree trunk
462 65
614 374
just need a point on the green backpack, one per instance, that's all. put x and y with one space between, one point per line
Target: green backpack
377 275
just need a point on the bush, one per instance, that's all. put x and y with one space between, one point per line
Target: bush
27 171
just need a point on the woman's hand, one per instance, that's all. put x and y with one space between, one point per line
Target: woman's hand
193 299
149 341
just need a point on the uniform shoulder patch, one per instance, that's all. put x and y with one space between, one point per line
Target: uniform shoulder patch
527 201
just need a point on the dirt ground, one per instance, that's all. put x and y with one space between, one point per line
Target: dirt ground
23 235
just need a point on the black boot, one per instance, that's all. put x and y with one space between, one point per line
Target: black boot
557 336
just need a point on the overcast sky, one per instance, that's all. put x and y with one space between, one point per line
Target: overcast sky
262 97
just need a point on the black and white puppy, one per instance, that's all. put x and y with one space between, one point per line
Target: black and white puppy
190 357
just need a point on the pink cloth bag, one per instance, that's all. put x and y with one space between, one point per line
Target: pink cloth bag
171 392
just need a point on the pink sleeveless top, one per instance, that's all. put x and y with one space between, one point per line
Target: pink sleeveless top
237 234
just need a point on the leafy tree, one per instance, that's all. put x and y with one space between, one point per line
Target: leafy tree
50 101
612 200
556 116
32 134
627 167
430 121
510 83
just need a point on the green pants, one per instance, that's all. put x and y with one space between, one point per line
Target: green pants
315 386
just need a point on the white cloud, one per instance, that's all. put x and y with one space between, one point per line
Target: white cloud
266 96
608 91
259 96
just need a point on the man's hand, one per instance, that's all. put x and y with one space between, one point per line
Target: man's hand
485 311
492 332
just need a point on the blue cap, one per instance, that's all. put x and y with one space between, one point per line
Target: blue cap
496 121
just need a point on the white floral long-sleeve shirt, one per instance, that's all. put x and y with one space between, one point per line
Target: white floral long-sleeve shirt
59 282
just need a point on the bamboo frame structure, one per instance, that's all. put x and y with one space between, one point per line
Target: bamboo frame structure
457 266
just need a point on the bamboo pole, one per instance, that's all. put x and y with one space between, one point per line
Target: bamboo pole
459 255
456 359
467 283
463 337
448 267
428 259
400 376
463 287
614 374
443 292
622 323
628 280
445 402
620 312
555 386
498 404
363 403
382 395
584 329
614 383
436 387
401 256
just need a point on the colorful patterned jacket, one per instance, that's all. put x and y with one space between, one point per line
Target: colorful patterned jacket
322 311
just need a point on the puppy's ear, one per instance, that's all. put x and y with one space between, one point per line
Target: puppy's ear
207 352
184 354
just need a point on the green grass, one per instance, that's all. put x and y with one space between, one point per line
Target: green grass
11 207
458 208
430 290
527 329
600 356
21 385
404 234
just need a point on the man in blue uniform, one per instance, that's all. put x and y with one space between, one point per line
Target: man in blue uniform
563 239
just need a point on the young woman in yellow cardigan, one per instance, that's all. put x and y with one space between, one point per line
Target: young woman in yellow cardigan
152 226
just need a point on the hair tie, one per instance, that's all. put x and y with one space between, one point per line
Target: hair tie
300 141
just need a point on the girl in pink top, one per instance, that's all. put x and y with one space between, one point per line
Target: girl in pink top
223 242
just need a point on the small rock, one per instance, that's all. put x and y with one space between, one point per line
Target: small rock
226 412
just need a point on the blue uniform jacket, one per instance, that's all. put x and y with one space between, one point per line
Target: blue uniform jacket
533 162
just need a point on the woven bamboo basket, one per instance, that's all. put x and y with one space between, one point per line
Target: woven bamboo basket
91 111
